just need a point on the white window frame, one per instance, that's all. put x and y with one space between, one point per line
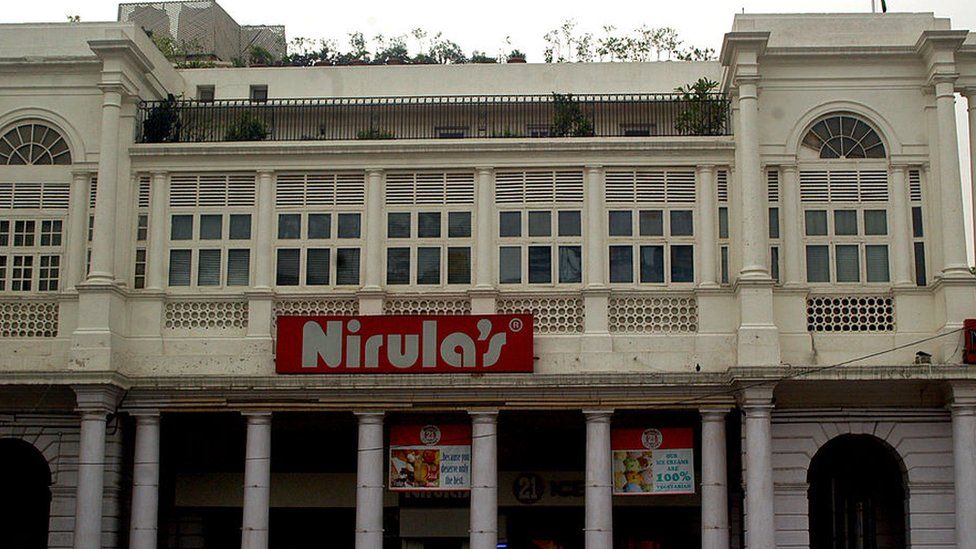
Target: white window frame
553 241
303 243
224 244
414 242
636 241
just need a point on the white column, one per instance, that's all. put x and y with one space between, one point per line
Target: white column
374 230
94 404
707 226
599 484
145 482
484 480
595 234
754 227
103 239
159 205
265 236
369 482
714 483
792 226
484 254
760 530
900 228
971 100
257 481
964 453
955 262
77 234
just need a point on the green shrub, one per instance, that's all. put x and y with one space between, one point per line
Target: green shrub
247 128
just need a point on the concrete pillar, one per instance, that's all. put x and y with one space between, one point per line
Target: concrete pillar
599 483
257 481
971 101
374 230
595 232
714 483
77 229
791 229
955 262
484 479
369 482
484 253
143 529
963 408
753 185
707 226
103 240
95 402
156 276
900 228
757 404
265 234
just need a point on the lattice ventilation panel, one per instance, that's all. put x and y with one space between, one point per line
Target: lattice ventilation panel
633 314
855 313
206 315
427 306
314 307
28 319
551 315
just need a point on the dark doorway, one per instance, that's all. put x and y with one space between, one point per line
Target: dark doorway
857 495
26 505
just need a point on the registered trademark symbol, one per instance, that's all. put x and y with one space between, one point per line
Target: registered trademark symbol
515 325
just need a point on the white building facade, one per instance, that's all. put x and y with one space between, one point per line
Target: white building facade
773 275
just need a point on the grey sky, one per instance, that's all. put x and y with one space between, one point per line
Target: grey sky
485 26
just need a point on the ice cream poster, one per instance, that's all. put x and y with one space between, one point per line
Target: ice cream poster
653 461
428 457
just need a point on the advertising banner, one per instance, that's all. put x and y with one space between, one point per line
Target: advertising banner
404 344
425 458
653 461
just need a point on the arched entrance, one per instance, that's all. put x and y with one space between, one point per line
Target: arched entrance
856 496
25 504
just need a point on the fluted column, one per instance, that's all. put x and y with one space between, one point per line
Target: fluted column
265 234
707 221
760 528
754 229
900 228
77 234
792 227
159 205
257 481
94 405
105 230
714 483
599 484
484 480
955 262
369 482
143 528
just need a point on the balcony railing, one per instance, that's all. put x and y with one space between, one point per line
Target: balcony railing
466 117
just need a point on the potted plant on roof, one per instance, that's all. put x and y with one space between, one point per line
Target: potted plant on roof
515 56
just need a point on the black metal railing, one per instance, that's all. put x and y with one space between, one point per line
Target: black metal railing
495 116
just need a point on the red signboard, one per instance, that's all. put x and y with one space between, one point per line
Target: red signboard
404 344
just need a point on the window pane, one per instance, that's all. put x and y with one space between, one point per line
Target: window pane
917 231
238 267
509 265
682 264
428 265
348 225
347 266
210 227
818 264
287 271
179 267
398 225
459 265
570 258
510 224
651 264
774 223
681 223
848 263
774 263
725 265
319 226
429 225
876 262
289 226
570 223
181 228
621 264
208 268
816 222
621 223
317 267
398 266
920 278
458 225
651 223
875 222
845 222
240 226
540 264
540 224
723 222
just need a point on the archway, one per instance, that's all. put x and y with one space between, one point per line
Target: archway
25 505
857 495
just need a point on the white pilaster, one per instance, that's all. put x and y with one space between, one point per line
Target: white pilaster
956 264
95 402
792 227
707 223
714 483
77 234
103 239
484 479
371 296
484 215
143 529
757 403
971 101
257 481
595 233
900 228
264 236
754 228
964 460
159 205
369 482
599 484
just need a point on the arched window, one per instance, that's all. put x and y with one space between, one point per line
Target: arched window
33 143
844 136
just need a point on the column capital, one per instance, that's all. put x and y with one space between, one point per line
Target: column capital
706 167
598 415
159 173
489 416
714 413
370 417
374 171
148 415
257 416
899 166
962 394
758 397
80 173
484 169
970 94
593 167
102 398
264 172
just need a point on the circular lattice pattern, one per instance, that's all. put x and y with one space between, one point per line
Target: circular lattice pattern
28 319
314 307
551 315
206 315
421 306
653 314
850 314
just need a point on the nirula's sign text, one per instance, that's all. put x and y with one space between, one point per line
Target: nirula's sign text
404 344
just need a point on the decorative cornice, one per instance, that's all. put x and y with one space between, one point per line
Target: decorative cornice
736 42
125 49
